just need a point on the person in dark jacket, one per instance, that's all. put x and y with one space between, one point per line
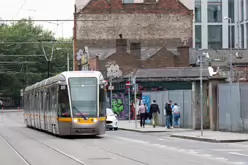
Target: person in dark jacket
154 110
168 109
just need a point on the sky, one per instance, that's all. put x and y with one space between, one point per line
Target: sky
41 9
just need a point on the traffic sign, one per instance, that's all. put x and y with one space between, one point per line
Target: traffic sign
111 88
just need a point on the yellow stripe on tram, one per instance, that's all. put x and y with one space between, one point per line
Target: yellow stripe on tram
65 119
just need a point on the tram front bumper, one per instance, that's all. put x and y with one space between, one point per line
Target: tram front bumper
91 126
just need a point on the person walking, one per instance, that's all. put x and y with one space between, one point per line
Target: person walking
154 111
168 109
176 115
142 113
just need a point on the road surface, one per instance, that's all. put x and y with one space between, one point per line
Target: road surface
24 146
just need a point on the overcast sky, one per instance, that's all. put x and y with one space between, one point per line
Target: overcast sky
41 9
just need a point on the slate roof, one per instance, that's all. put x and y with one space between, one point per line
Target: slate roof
182 72
146 52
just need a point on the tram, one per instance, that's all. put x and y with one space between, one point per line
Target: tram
71 103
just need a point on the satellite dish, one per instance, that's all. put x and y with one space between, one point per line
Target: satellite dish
238 55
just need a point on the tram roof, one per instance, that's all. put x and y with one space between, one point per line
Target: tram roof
63 76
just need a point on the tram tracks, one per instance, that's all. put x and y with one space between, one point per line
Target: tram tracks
15 150
65 154
24 159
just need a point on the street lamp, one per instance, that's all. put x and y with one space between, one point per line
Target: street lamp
201 99
206 55
230 40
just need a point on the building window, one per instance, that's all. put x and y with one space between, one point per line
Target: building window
246 9
214 36
242 36
214 11
231 9
127 1
233 34
242 11
247 33
197 10
198 43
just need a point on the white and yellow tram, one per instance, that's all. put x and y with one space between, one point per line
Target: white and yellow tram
71 103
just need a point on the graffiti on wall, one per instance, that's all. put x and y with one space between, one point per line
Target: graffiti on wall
119 105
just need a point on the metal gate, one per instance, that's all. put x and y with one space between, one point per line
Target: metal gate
184 100
233 107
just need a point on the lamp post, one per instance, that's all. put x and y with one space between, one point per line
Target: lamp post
201 92
230 57
200 60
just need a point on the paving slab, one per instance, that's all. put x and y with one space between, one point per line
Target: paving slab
212 136
130 126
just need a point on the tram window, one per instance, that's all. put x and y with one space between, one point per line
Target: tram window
102 102
84 96
54 99
64 107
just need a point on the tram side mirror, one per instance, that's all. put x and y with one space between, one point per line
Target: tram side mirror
115 115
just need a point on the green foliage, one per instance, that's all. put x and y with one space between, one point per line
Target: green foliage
15 73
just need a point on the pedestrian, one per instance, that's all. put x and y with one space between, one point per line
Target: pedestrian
154 110
168 110
176 115
142 113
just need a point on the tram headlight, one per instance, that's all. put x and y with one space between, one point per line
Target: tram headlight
95 120
75 120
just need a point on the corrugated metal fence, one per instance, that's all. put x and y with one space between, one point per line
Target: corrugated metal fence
184 100
233 107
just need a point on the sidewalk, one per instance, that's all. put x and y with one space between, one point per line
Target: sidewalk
125 125
213 136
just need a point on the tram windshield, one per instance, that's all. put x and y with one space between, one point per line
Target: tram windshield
83 96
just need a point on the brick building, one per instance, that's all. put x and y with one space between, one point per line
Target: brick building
155 28
136 57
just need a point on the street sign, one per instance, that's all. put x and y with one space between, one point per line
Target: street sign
111 88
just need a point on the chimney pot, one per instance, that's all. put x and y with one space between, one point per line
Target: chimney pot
121 45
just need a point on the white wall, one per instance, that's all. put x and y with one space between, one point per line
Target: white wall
81 3
188 3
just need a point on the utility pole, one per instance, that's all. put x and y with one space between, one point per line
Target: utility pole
129 101
68 62
135 93
48 58
201 95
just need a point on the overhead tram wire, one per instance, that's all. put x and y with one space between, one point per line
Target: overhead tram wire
18 42
52 20
20 8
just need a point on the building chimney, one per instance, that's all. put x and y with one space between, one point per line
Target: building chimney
135 50
94 64
121 45
183 58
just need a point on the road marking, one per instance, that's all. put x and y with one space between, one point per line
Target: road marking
238 162
221 158
207 155
224 150
192 151
160 139
239 154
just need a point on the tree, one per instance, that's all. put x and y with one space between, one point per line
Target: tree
17 72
